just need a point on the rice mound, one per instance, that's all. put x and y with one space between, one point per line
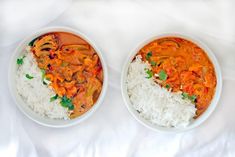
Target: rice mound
154 103
34 93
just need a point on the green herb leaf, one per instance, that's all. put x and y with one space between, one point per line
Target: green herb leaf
150 74
153 63
28 76
71 107
66 102
185 95
20 61
32 42
162 75
43 77
54 98
43 73
149 54
168 86
190 97
193 98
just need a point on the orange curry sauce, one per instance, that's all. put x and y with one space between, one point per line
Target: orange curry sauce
187 66
73 68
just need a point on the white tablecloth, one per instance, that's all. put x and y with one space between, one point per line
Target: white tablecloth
117 27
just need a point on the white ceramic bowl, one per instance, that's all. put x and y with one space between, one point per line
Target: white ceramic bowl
21 104
194 123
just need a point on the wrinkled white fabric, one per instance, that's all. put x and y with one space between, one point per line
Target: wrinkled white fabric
116 27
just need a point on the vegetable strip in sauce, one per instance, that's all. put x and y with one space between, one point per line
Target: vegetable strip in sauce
72 67
180 65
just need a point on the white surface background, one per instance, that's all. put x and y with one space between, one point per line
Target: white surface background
117 27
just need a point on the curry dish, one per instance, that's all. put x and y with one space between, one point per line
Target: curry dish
72 67
182 66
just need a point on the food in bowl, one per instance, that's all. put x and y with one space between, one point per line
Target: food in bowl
59 75
170 82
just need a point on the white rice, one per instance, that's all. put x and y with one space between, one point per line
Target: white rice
35 94
155 104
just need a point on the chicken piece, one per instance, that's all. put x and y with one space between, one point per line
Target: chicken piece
72 58
210 80
70 92
82 103
80 78
197 69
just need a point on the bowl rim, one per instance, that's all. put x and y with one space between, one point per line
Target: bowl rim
214 102
22 106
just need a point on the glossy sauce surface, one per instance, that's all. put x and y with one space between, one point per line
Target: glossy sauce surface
187 67
73 68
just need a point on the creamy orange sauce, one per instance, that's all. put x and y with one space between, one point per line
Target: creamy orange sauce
73 68
187 66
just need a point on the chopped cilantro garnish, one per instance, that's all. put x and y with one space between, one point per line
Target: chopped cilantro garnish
168 86
44 82
66 102
150 73
54 98
149 54
20 61
28 76
44 78
185 95
190 97
43 73
193 98
32 42
153 63
71 107
162 75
